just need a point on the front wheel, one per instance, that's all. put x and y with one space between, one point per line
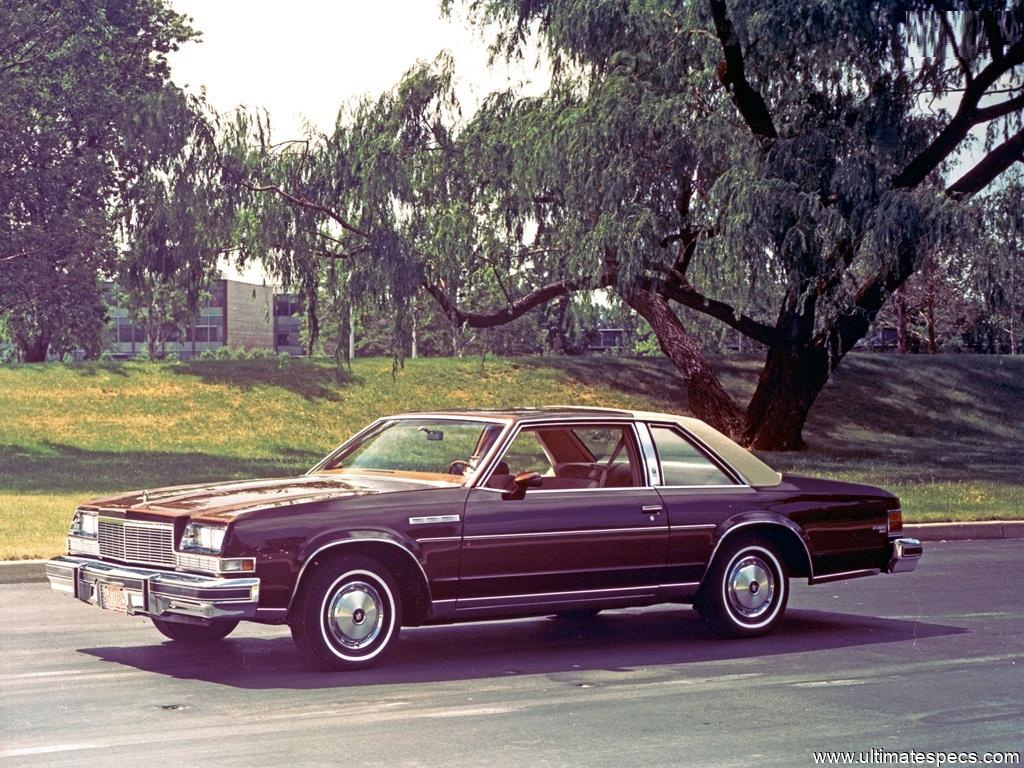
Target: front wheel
194 633
745 591
347 615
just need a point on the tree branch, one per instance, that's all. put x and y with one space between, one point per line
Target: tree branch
967 116
947 28
688 296
994 163
514 310
1001 109
307 203
749 101
994 34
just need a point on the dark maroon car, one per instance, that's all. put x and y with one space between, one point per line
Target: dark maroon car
432 518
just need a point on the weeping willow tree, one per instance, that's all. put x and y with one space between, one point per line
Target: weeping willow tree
778 167
175 214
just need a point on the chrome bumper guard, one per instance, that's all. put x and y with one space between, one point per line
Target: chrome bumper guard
906 553
150 592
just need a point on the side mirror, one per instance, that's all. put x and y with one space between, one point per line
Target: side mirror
520 483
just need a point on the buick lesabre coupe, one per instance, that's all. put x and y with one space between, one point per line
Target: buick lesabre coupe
433 518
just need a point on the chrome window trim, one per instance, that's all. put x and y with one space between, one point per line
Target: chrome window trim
505 440
724 536
702 447
704 487
508 422
542 492
652 466
364 540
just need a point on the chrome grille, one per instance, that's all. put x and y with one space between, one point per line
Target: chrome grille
139 542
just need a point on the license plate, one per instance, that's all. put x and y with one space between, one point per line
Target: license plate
113 597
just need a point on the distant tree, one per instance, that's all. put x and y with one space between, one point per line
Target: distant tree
999 269
71 77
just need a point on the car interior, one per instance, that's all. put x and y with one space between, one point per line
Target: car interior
570 458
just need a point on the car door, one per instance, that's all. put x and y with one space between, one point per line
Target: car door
593 529
698 492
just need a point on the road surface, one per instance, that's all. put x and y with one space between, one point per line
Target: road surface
932 661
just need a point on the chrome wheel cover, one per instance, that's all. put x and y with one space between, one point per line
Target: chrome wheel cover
750 587
355 615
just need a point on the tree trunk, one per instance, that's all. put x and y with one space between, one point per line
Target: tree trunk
34 350
899 300
705 396
789 384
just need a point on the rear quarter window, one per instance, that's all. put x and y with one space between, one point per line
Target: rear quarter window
682 463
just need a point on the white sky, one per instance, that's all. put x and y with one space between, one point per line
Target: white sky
303 59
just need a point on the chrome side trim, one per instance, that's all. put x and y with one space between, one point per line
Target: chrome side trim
701 527
724 536
583 531
435 539
827 577
583 592
341 542
429 519
680 584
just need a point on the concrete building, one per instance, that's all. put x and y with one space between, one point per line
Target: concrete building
237 315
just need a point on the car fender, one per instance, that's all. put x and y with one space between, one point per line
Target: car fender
337 540
745 520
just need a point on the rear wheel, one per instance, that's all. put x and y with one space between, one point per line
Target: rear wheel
194 633
347 615
745 591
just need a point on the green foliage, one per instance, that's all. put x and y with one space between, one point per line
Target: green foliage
176 217
72 78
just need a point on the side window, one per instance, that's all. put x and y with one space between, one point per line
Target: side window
682 463
526 454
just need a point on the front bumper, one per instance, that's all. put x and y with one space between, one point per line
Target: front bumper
150 592
904 555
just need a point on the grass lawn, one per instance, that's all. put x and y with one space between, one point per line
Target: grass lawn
945 433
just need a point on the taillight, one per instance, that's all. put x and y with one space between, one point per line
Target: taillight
895 520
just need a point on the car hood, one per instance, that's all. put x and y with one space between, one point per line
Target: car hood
225 501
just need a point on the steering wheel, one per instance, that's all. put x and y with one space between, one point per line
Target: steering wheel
458 467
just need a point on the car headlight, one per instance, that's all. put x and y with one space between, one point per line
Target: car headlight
83 524
203 538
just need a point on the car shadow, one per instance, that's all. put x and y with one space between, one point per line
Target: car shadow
613 641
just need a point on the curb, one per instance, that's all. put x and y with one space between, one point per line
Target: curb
26 571
22 571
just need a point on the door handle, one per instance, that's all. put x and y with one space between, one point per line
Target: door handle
651 509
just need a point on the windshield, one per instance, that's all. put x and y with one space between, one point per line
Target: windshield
450 448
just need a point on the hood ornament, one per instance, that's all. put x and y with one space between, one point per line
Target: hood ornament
145 497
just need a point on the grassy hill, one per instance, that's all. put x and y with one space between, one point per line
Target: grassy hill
946 433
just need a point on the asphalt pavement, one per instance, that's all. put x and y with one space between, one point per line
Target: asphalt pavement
931 661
